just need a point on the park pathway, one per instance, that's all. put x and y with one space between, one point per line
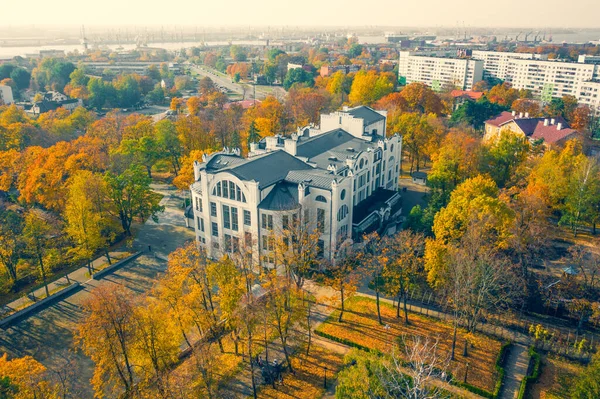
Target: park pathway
516 369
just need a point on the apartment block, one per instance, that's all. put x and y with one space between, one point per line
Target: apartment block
439 70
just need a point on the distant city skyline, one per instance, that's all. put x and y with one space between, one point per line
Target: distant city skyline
427 13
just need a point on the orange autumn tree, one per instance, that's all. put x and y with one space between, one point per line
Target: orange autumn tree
186 174
269 117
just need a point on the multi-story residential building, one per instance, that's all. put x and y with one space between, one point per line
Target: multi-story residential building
497 64
439 70
340 179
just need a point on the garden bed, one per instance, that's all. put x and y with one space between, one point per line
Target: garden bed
360 326
556 378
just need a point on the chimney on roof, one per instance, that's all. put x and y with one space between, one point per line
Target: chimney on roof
520 114
526 114
552 121
514 113
558 126
546 121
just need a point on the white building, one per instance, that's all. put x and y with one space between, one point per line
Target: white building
6 95
341 179
439 70
497 64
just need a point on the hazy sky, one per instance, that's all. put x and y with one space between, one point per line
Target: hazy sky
509 13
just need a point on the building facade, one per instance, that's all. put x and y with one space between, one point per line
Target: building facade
439 70
339 180
6 95
497 64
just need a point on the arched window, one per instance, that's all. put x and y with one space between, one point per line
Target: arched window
228 189
320 198
342 212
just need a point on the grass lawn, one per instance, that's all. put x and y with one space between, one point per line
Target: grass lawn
360 326
556 378
307 382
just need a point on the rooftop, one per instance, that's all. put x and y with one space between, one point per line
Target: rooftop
283 197
376 201
332 148
369 115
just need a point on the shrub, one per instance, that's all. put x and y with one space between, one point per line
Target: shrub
535 372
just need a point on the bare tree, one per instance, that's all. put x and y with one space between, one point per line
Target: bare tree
425 365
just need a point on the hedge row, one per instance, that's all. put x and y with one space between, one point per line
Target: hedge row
535 372
499 369
346 342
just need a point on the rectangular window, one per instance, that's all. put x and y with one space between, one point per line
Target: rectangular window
247 218
215 229
368 176
285 221
248 239
231 190
235 244
218 189
225 190
238 193
227 243
234 219
270 222
306 215
213 209
226 217
200 204
263 221
202 225
265 243
320 248
295 220
321 220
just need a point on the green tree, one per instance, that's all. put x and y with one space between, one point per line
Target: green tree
476 113
21 78
168 142
131 196
502 157
144 151
587 383
300 76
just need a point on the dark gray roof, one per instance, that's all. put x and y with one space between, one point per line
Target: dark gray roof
419 175
222 161
313 177
376 201
332 148
283 197
367 114
269 168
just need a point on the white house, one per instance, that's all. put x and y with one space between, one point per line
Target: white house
340 178
6 95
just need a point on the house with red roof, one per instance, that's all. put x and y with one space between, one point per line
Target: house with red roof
461 96
550 131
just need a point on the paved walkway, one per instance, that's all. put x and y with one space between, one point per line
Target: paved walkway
80 275
47 334
516 369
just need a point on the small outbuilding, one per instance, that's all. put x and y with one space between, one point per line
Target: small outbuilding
419 178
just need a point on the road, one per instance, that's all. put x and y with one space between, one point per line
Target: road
48 334
238 88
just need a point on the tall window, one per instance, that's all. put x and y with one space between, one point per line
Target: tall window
267 222
342 212
230 190
248 239
285 221
226 217
213 209
200 223
234 219
215 229
247 218
321 219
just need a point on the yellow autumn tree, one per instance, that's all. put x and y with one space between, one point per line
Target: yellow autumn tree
476 199
25 378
